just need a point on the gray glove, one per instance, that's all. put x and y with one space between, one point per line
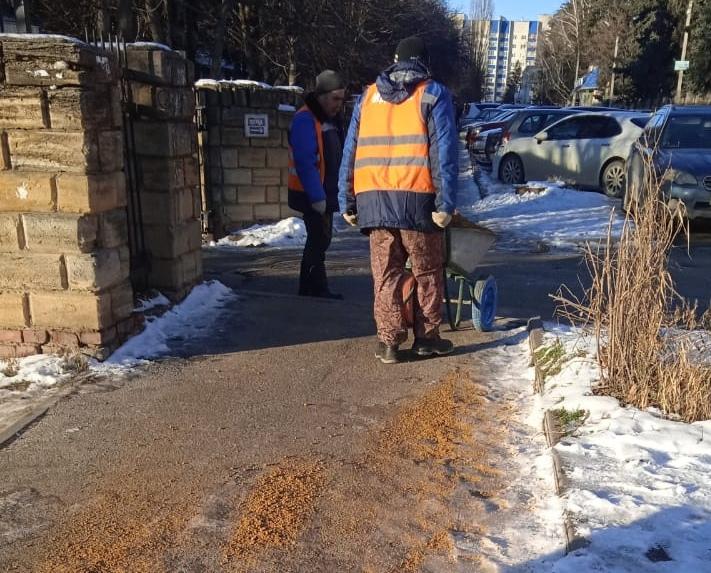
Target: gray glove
351 218
441 219
319 207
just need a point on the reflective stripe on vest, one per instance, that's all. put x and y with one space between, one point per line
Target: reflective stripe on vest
294 183
393 146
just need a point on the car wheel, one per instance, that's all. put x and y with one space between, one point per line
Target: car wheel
511 170
612 179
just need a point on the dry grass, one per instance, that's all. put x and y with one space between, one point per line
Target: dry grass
640 321
10 367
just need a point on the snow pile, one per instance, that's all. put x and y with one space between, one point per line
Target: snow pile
550 213
289 232
207 83
196 313
638 484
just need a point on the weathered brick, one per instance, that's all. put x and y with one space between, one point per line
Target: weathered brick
284 119
285 176
285 139
96 271
81 108
234 136
122 303
233 116
125 258
278 158
35 336
266 177
251 194
72 311
273 140
266 212
64 338
54 150
24 350
168 274
226 157
7 351
25 271
162 173
285 212
113 229
192 172
25 191
174 103
249 157
164 139
239 213
14 336
169 242
111 150
9 241
229 195
98 338
22 108
12 310
59 232
90 193
237 176
272 194
168 208
284 194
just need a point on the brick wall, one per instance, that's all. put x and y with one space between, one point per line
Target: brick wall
246 177
167 168
64 259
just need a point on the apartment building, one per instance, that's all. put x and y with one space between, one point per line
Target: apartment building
509 42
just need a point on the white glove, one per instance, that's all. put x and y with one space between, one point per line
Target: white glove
319 207
441 219
351 219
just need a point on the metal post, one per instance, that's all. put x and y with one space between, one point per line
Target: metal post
683 50
614 65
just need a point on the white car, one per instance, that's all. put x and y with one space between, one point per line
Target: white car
586 150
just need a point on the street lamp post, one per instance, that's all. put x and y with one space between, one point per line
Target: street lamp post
683 49
614 65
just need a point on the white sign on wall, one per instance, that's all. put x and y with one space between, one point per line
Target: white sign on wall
256 125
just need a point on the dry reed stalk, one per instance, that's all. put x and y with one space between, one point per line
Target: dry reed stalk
632 305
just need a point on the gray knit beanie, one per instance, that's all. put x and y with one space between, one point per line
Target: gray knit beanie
328 81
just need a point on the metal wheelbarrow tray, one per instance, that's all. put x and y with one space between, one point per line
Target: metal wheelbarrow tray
466 245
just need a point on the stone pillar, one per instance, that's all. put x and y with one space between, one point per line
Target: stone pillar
246 176
167 167
64 260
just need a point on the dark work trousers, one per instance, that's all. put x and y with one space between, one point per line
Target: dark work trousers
319 230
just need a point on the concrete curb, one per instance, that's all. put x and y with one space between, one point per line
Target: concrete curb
15 430
553 434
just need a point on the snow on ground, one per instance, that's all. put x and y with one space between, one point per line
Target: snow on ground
289 232
550 214
27 381
638 485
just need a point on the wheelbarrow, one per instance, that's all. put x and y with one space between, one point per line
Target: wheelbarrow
465 245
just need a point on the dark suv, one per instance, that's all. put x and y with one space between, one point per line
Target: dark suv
677 142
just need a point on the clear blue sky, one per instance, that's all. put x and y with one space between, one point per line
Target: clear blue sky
513 9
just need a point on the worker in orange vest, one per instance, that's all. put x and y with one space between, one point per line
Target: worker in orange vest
398 182
315 151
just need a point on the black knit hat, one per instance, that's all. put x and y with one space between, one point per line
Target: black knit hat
410 49
328 81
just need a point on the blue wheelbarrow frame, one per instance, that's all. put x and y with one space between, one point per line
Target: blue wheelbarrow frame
465 247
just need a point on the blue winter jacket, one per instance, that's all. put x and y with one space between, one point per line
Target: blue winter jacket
404 209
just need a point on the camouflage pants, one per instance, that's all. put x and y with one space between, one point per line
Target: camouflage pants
389 249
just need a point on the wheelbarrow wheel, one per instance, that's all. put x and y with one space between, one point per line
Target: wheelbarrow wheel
484 299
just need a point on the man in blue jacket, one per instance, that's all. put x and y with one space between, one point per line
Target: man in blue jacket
398 181
315 151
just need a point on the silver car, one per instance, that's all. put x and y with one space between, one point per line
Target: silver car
587 150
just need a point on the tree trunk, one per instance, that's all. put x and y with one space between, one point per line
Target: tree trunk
219 46
127 24
103 18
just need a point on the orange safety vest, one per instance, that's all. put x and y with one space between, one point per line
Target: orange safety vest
393 145
294 183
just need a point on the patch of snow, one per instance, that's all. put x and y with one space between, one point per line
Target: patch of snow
638 484
207 83
22 191
286 107
150 46
39 73
60 65
289 232
148 304
198 311
551 213
36 37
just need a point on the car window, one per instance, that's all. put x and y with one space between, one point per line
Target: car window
598 127
567 129
640 121
687 132
533 124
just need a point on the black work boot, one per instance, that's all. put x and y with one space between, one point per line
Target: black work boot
430 346
386 353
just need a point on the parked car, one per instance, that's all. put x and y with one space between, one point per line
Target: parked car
497 121
587 150
523 123
473 110
677 143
